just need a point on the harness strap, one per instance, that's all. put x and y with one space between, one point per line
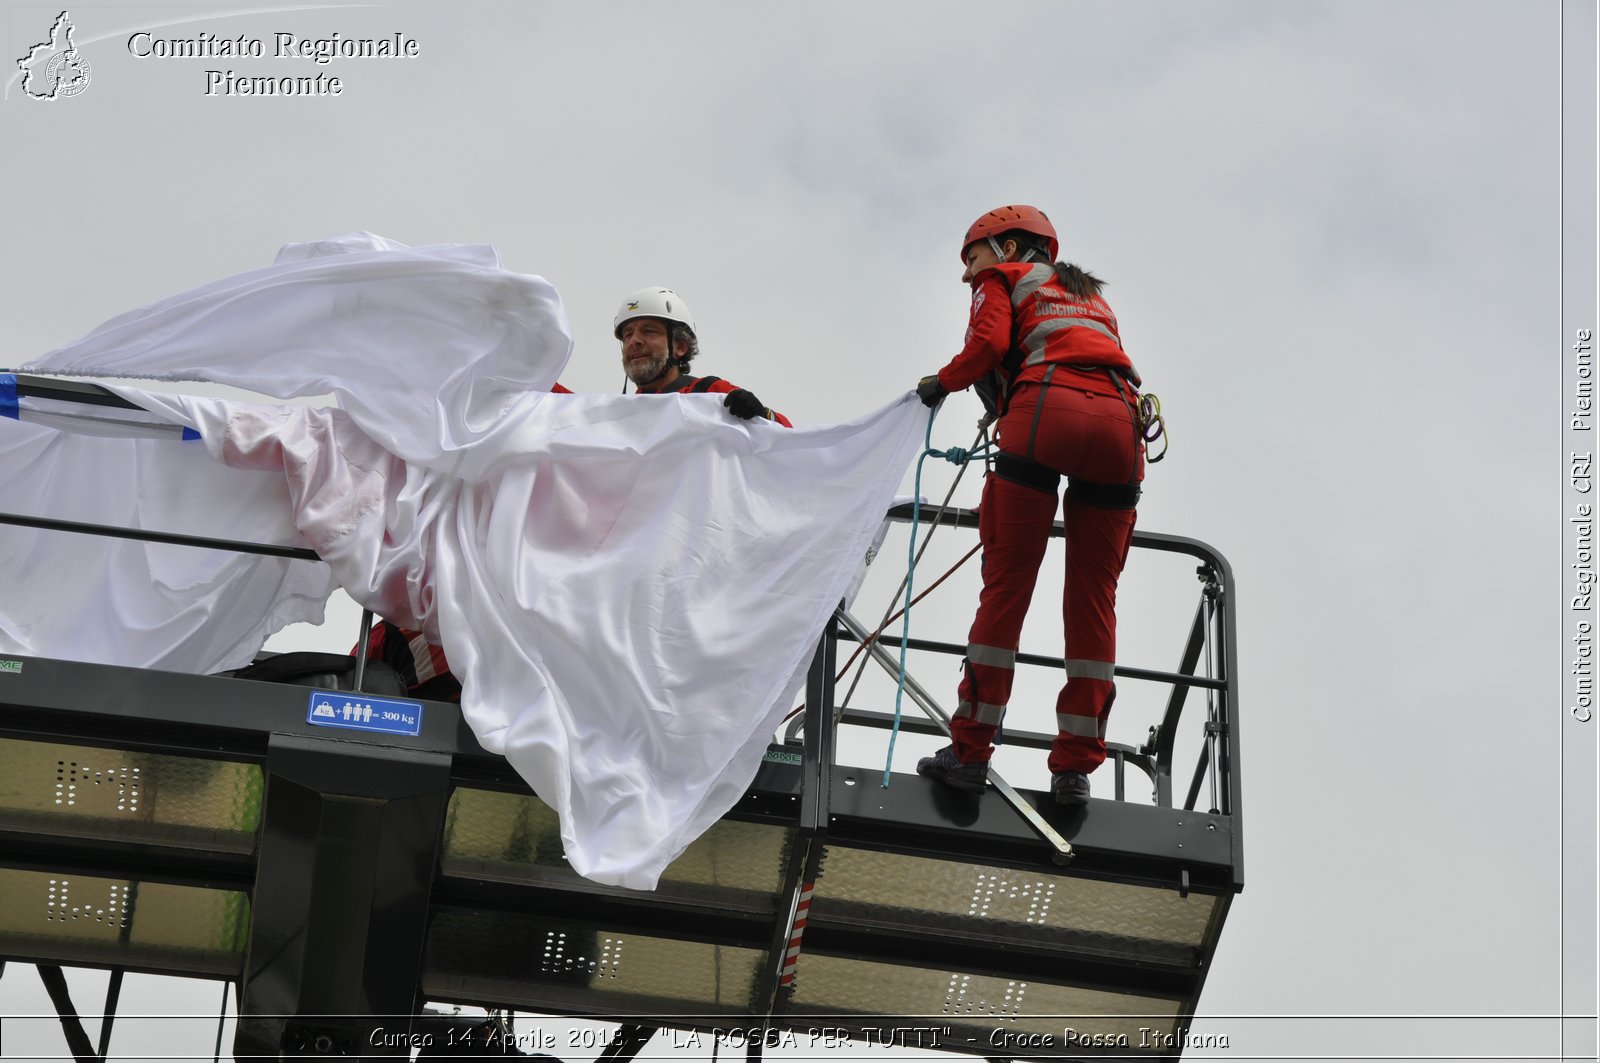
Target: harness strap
1026 473
1104 496
704 384
1133 419
1038 411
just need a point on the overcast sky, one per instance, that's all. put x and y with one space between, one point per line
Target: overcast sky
1332 235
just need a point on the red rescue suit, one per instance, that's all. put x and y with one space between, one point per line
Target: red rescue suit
695 384
420 664
1056 372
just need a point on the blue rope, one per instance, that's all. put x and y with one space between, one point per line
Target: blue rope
956 456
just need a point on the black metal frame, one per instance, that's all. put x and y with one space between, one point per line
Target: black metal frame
321 789
1214 625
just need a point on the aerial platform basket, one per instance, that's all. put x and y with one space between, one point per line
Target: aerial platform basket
200 826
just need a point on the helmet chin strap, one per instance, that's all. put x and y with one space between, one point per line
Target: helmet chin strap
676 361
994 245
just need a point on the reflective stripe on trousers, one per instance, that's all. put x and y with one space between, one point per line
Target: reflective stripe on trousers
980 712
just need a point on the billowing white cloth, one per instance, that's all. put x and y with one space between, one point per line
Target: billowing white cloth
630 588
425 346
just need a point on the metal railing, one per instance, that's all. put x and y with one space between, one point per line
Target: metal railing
1206 663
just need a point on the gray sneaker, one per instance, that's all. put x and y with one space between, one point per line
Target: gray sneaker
1069 787
944 766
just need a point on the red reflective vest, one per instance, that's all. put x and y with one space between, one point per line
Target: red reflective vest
1023 321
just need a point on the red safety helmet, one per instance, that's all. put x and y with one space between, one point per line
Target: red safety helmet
1006 219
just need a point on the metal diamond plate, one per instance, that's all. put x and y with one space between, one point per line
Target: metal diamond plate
119 795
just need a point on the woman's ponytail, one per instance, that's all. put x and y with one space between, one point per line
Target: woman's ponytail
1078 282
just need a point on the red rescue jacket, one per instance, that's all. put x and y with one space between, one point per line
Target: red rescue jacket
1022 322
696 384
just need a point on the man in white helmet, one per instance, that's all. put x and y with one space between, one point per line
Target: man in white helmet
658 343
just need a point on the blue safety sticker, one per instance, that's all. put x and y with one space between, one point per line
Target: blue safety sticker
8 396
364 712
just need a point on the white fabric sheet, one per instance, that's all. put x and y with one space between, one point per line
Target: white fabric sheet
630 588
145 605
426 346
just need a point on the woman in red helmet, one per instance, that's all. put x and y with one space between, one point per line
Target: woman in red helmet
1043 349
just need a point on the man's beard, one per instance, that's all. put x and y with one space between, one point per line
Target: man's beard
647 371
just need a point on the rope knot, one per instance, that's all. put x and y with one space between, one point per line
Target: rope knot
957 455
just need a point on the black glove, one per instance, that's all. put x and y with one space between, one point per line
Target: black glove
744 405
930 391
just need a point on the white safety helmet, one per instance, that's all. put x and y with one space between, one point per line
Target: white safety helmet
653 302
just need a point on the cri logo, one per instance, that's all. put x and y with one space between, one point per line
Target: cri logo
54 69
